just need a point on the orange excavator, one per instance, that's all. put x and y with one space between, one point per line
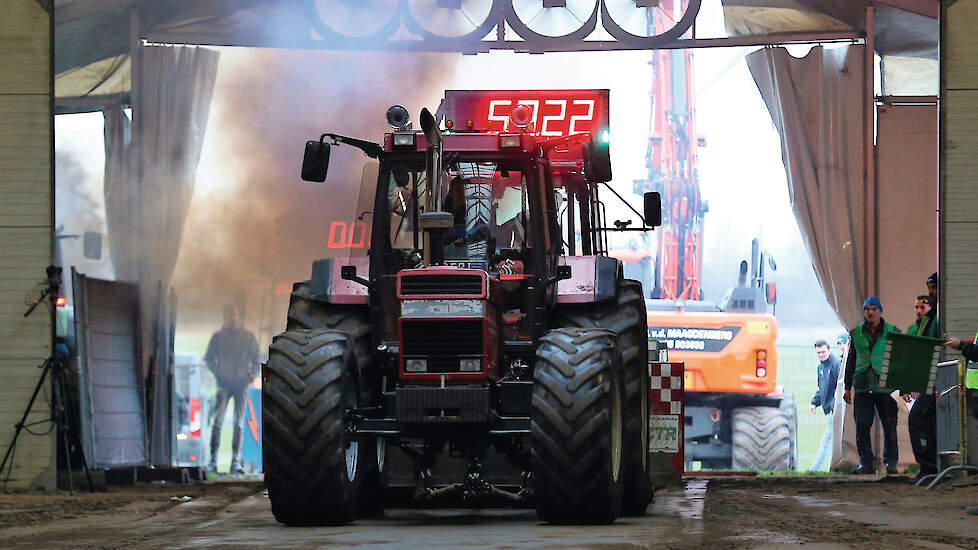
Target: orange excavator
736 415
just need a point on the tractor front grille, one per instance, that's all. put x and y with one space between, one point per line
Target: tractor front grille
442 285
442 342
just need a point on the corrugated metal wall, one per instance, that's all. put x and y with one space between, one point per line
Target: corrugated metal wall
959 170
26 213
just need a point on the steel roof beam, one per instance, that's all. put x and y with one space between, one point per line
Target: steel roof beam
483 46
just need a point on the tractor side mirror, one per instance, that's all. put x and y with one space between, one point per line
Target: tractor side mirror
315 161
92 245
597 158
653 209
771 292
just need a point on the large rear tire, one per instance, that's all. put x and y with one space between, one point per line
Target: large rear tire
761 439
627 318
308 312
312 469
576 427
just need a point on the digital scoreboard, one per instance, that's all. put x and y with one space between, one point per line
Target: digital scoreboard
554 112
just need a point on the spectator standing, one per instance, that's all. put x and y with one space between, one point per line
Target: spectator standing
828 378
970 352
864 364
843 342
922 422
232 356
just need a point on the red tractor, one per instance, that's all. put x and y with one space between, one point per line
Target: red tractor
471 355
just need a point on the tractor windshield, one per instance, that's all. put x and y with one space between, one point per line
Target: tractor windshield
488 204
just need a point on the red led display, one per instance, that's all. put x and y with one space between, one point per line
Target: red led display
554 112
348 235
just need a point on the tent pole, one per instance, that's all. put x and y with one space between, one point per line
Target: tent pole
135 68
871 206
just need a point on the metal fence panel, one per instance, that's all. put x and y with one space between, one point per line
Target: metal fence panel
107 329
948 411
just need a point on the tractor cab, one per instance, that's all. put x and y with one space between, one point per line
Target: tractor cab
505 184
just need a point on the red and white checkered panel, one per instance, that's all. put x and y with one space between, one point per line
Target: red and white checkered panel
666 384
666 420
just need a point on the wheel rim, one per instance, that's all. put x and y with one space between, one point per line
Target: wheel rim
381 454
352 447
616 437
645 424
351 460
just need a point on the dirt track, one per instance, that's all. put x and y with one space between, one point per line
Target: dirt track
820 513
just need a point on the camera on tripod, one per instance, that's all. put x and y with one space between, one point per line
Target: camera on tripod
60 414
51 291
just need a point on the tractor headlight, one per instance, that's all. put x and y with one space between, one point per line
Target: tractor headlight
404 139
509 140
416 365
470 365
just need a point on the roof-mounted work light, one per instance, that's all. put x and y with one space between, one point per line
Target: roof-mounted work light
398 117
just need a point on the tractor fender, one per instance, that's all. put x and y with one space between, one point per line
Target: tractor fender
593 279
328 286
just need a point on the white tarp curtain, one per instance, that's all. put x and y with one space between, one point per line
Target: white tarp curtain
816 104
149 178
150 170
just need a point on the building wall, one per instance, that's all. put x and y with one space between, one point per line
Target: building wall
959 171
26 213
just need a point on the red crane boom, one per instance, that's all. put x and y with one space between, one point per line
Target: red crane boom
671 162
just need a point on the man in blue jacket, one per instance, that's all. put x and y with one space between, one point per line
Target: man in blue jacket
828 378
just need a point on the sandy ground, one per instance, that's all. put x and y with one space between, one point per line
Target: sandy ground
842 512
723 513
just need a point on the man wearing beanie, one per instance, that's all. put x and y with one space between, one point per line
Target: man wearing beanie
864 364
843 342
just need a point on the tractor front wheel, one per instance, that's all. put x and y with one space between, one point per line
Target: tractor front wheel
312 468
576 427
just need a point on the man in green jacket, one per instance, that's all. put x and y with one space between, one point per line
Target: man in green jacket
922 422
864 364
